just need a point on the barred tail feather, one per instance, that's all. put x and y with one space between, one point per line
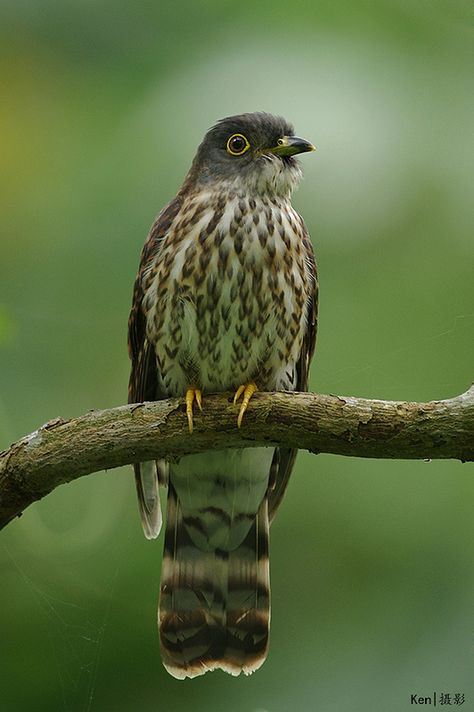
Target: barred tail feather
214 605
248 601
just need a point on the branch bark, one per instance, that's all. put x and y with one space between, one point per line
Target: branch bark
63 450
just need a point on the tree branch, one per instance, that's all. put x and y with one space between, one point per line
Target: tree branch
63 450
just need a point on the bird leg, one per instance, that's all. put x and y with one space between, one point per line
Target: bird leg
248 390
192 394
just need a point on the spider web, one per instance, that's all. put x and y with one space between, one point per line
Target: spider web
460 323
75 638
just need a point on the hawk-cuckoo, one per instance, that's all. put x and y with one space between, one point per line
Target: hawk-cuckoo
225 299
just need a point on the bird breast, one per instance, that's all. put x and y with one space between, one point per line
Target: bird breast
225 298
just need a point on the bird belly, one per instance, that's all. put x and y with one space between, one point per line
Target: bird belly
233 308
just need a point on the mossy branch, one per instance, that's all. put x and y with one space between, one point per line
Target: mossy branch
63 450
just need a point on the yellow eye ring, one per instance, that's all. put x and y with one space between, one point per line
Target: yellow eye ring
237 144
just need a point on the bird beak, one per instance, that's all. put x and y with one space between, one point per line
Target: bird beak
290 145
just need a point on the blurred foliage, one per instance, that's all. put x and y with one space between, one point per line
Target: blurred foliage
103 105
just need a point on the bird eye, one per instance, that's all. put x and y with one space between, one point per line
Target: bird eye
237 145
280 142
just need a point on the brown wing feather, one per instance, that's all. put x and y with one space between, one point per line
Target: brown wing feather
284 458
143 384
144 377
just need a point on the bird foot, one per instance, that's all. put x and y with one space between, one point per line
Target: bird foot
247 390
192 394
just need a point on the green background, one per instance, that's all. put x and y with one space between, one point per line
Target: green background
103 104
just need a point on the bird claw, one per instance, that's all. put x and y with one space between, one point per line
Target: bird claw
192 394
247 390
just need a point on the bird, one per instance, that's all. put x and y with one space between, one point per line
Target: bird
225 299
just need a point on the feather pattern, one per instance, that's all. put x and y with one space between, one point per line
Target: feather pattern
214 604
226 294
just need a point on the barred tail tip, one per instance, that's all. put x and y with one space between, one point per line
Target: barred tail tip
200 668
190 649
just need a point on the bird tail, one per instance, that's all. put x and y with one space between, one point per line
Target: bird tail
214 604
146 480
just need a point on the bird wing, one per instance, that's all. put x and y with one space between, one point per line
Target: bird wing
144 383
284 458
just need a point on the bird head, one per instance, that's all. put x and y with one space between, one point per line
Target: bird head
254 153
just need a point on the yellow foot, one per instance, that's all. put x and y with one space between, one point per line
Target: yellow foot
192 394
248 390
